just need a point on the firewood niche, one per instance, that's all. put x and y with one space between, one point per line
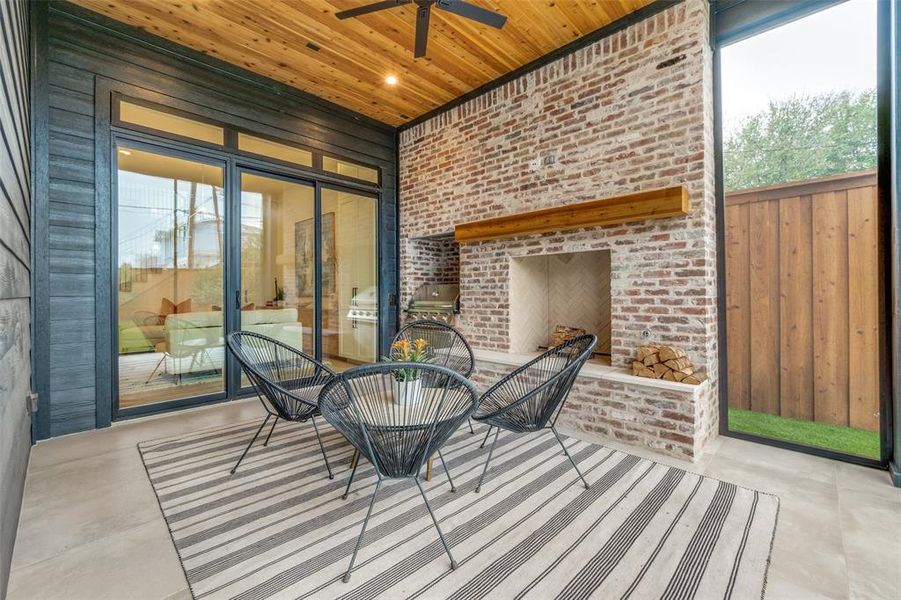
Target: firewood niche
665 362
642 206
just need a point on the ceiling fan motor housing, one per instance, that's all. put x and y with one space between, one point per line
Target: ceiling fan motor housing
423 13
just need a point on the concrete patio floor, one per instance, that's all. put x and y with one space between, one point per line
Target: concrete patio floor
91 527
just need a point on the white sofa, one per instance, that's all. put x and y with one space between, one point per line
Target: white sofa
195 343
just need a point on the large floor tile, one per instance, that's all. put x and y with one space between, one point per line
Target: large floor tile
776 460
126 434
876 482
136 564
80 501
871 535
808 551
783 584
182 594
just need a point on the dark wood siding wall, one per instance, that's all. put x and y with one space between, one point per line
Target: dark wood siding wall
87 53
15 271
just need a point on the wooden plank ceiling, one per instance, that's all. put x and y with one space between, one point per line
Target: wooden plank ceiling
354 56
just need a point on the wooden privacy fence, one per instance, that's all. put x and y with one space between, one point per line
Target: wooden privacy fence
802 298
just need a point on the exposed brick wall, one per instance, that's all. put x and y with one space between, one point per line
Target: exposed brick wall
665 421
614 123
428 260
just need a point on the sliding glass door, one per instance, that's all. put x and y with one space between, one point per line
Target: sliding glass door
349 278
277 296
170 250
279 273
305 272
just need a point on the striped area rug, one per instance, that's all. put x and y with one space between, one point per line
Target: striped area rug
279 529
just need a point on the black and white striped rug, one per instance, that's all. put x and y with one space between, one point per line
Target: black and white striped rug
279 529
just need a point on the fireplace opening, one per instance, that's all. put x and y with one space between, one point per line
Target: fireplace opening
549 292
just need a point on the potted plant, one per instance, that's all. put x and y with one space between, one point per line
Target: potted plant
279 295
408 382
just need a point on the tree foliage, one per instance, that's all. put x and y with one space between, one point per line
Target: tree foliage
802 138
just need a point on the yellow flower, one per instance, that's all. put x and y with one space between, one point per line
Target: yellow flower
401 349
420 344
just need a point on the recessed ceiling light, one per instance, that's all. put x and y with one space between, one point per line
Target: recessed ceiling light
125 152
391 80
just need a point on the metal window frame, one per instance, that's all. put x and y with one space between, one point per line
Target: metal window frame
109 137
123 140
765 20
230 139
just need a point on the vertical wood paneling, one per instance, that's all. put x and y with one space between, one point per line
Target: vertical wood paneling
763 246
795 319
830 307
802 287
737 307
863 307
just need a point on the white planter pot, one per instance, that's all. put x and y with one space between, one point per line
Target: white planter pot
407 392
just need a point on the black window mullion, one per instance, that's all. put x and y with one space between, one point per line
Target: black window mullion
317 269
232 257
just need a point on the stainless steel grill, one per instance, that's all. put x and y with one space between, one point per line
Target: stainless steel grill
435 302
364 305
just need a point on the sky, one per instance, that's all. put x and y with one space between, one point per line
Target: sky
830 51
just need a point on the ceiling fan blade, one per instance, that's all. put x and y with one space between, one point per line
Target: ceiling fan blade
471 11
369 8
422 29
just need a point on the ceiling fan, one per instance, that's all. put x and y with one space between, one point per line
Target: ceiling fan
423 11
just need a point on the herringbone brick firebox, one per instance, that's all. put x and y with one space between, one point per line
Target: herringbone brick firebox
630 113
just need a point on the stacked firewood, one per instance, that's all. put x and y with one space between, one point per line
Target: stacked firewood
665 362
563 334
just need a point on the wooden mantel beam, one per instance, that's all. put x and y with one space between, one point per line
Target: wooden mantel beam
643 206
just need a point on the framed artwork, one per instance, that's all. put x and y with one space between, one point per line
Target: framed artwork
305 256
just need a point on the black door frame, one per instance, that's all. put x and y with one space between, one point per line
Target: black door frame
234 251
767 21
136 143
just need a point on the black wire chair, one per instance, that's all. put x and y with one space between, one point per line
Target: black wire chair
398 425
286 380
447 346
530 398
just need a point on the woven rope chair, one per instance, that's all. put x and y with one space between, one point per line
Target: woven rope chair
286 380
447 346
530 398
366 404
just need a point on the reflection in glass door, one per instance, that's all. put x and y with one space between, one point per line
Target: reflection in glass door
349 279
277 295
170 277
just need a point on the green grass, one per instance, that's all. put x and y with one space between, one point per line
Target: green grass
809 433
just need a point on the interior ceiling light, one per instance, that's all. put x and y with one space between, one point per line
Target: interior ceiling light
424 10
391 80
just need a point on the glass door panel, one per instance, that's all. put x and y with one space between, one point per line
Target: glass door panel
170 278
278 281
349 279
